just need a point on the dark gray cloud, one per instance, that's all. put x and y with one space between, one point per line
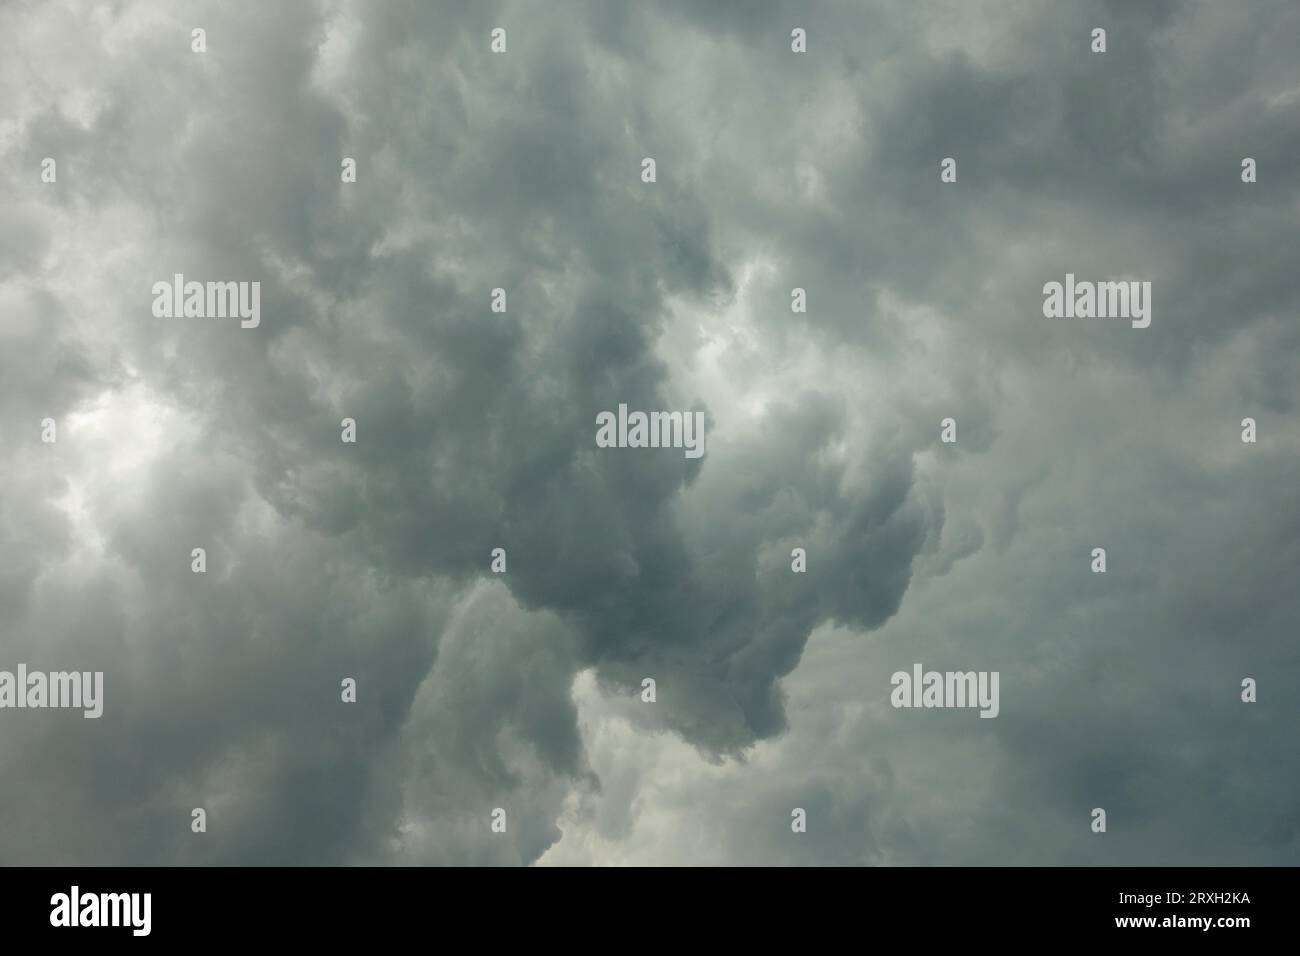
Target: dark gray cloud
476 431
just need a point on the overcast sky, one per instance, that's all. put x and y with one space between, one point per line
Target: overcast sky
476 430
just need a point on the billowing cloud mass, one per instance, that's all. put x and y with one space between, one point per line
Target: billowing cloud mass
475 430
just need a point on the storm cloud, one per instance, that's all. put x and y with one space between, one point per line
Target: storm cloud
475 430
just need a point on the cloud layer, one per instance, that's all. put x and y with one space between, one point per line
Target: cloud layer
475 430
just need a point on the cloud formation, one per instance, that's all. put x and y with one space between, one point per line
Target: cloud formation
475 430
